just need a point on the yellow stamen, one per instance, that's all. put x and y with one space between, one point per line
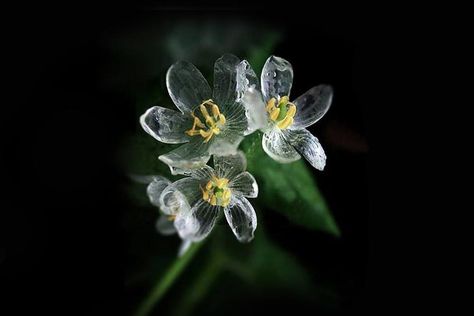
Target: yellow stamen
171 217
216 192
283 114
213 124
274 114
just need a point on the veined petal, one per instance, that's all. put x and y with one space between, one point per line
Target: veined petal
244 184
226 144
246 78
191 155
250 97
311 106
165 226
255 112
277 78
155 188
225 80
308 146
230 166
202 174
198 222
180 195
187 86
241 218
166 125
277 147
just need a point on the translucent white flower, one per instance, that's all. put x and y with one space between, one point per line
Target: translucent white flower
165 222
208 122
209 192
285 137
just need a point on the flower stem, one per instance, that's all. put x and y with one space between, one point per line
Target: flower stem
200 287
167 280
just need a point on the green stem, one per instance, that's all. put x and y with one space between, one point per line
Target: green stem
167 281
200 286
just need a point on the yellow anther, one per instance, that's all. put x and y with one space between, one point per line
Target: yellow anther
213 124
171 217
291 110
213 200
215 110
221 119
216 192
274 114
287 121
283 114
271 104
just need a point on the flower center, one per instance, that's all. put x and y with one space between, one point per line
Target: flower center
216 192
213 123
282 113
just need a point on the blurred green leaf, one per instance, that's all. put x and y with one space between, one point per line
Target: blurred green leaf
288 188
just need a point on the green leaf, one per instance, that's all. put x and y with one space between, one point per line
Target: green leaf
288 188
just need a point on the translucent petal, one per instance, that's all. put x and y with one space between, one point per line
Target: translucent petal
155 188
244 184
225 79
277 78
185 244
308 146
246 79
276 146
198 222
255 112
187 86
179 171
191 155
311 106
166 125
164 226
203 174
226 144
179 195
145 179
241 217
230 166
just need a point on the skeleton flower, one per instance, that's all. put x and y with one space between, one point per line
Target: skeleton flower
208 192
285 138
207 122
165 222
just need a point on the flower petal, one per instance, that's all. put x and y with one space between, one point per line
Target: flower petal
277 78
308 146
164 226
167 126
226 144
250 97
202 174
241 218
230 166
255 113
225 80
311 106
187 86
277 147
198 222
155 188
244 184
191 155
179 196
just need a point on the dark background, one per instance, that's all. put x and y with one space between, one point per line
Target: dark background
62 243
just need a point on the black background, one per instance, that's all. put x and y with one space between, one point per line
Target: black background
62 245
